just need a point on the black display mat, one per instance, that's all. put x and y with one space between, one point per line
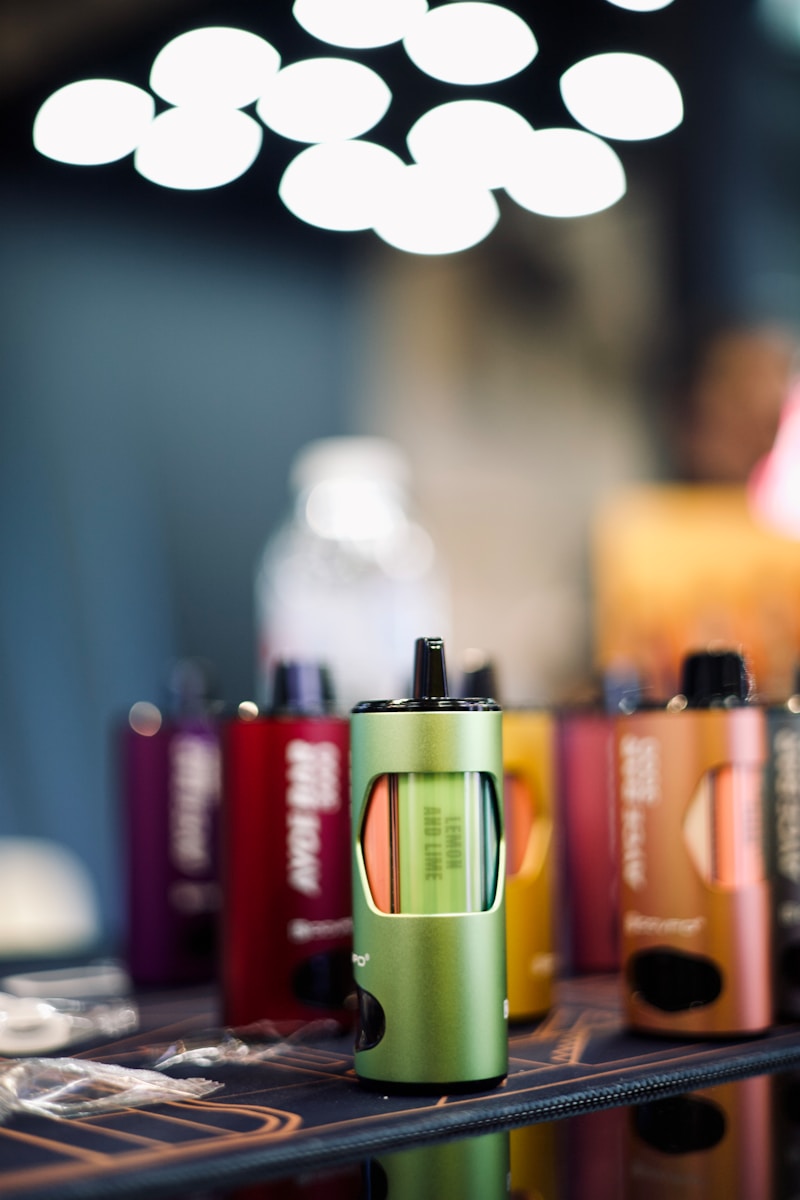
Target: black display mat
304 1108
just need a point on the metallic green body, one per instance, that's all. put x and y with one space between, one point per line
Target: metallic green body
473 1168
441 979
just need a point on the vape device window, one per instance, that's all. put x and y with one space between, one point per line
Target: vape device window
723 827
431 842
519 812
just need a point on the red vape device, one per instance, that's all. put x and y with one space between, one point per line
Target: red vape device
287 906
590 871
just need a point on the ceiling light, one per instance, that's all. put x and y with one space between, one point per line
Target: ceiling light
641 5
470 43
358 24
623 96
426 211
338 185
478 139
92 122
216 65
194 148
567 173
323 100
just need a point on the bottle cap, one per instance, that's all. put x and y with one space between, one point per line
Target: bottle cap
715 679
301 688
349 458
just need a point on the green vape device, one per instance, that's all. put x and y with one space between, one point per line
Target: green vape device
429 942
473 1168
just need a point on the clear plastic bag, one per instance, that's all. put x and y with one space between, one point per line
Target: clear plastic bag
34 1025
253 1043
72 1087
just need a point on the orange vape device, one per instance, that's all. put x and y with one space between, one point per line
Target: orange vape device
695 898
715 1143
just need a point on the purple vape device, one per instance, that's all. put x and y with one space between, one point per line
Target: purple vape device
171 793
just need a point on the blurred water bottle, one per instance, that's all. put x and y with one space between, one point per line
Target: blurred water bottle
350 577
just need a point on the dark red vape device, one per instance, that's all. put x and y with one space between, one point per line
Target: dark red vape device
287 907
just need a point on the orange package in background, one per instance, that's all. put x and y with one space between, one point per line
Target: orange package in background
683 567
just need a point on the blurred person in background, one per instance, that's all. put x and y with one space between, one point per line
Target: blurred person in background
728 401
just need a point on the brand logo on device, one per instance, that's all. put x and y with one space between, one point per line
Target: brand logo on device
313 773
786 759
640 789
194 794
664 926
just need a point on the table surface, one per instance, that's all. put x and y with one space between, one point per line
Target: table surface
303 1107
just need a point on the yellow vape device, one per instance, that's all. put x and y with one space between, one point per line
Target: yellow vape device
529 787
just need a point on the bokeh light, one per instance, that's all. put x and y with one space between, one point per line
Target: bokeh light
338 185
215 65
468 42
568 173
324 99
358 24
145 718
479 140
641 5
623 96
429 212
197 148
92 121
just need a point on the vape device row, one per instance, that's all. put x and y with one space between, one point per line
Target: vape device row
271 789
269 811
400 868
430 798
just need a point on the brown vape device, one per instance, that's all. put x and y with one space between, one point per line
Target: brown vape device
695 899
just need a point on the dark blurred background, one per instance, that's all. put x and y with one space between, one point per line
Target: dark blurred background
165 354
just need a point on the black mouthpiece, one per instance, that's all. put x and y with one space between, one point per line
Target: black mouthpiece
301 688
430 673
715 679
480 680
191 688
